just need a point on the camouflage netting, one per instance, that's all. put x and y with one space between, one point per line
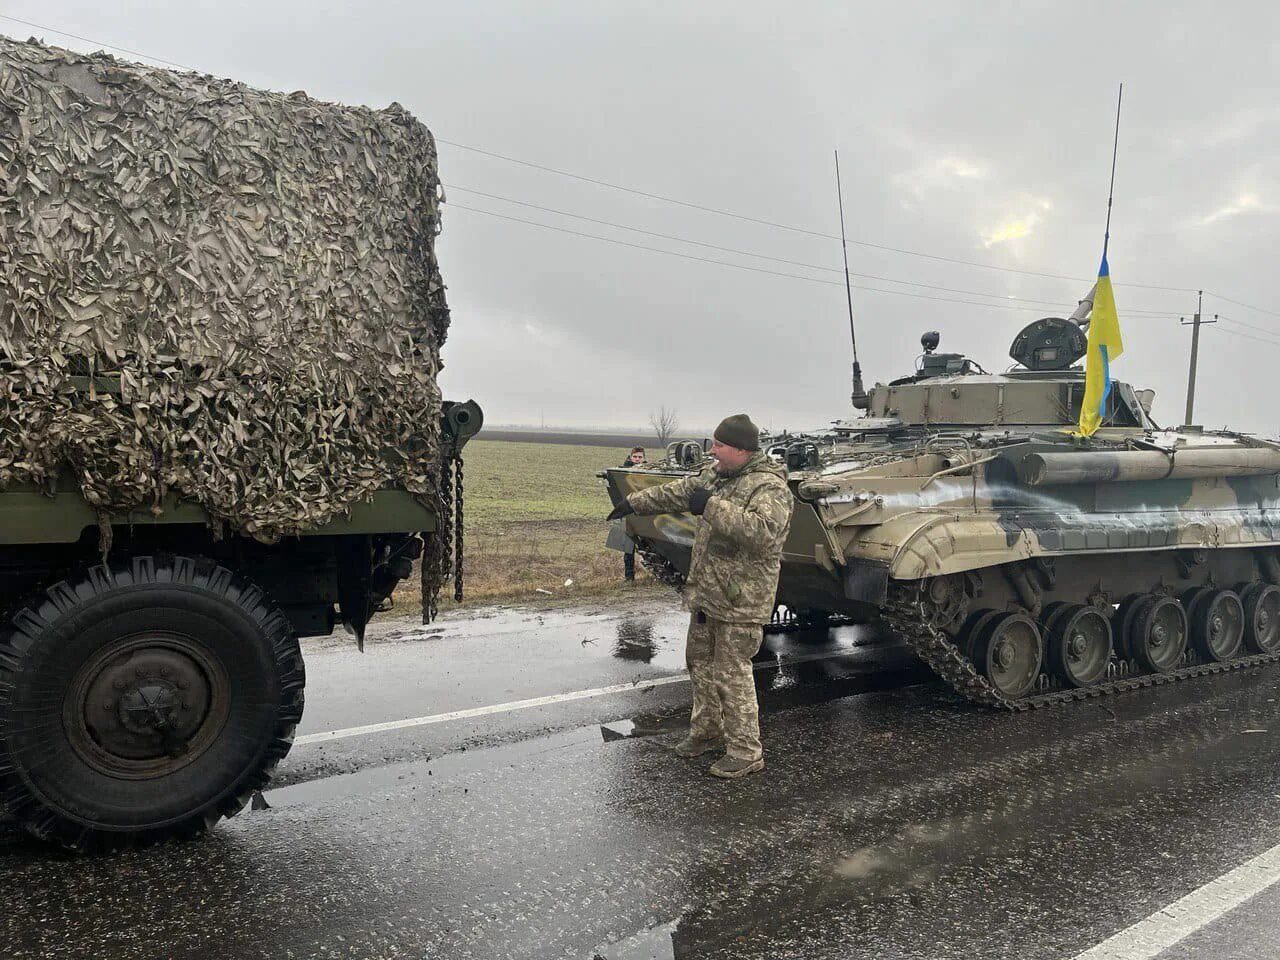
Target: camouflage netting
256 269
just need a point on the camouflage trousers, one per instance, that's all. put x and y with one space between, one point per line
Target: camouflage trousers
724 691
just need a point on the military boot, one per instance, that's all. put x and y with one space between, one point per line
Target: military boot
730 768
691 747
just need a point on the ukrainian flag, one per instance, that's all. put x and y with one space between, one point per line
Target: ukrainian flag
1105 346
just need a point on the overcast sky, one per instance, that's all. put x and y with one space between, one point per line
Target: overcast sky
977 132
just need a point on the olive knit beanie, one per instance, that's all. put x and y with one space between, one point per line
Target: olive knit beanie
738 431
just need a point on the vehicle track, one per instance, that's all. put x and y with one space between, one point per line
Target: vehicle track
907 613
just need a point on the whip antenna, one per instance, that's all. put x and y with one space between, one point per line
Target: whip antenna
859 396
1115 146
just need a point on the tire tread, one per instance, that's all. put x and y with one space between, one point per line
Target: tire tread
20 643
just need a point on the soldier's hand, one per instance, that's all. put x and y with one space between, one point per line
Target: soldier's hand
698 501
624 509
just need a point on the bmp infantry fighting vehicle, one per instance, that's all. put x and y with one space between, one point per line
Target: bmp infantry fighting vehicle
220 426
1024 565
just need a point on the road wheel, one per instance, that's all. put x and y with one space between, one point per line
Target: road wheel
1122 624
1217 625
143 700
1261 603
1079 645
975 626
1158 634
1193 602
1008 653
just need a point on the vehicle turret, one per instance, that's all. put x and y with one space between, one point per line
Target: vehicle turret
1043 389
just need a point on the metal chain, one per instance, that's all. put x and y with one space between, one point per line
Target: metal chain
437 546
662 569
429 606
458 529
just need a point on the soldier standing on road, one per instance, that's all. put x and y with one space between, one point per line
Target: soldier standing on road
634 459
745 509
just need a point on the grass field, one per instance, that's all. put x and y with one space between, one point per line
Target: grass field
535 519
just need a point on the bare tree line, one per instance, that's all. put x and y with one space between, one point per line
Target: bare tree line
665 422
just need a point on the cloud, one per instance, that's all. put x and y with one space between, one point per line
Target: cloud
945 172
1243 124
1017 225
1014 229
1246 202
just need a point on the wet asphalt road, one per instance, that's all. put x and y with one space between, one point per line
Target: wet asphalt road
891 821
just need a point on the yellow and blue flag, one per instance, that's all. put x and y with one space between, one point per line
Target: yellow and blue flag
1105 346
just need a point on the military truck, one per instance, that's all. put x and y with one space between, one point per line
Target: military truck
220 426
148 691
1025 565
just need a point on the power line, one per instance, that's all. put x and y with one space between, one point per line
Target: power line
1269 331
684 203
109 46
739 266
1238 303
1248 336
1044 302
790 227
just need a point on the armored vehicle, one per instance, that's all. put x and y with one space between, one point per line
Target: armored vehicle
221 318
1023 564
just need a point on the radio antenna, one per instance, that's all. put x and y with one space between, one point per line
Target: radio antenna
1111 190
859 396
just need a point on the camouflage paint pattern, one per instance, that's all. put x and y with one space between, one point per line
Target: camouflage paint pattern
960 473
920 525
737 542
719 655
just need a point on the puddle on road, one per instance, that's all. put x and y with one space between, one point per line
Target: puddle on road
888 871
377 782
497 621
790 672
785 681
634 640
655 943
654 637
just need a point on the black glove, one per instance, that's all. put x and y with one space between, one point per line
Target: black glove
698 501
624 509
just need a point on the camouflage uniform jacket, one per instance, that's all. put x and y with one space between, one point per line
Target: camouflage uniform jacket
737 552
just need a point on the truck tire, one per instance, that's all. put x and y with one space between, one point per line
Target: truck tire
143 700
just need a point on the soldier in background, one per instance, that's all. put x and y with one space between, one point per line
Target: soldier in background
745 509
634 459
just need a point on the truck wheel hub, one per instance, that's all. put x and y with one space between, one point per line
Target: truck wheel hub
146 706
149 707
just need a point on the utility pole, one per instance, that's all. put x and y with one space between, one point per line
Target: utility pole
1195 352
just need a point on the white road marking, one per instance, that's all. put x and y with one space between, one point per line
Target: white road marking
484 711
640 685
1150 937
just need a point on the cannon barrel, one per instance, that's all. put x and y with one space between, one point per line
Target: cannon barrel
1046 469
